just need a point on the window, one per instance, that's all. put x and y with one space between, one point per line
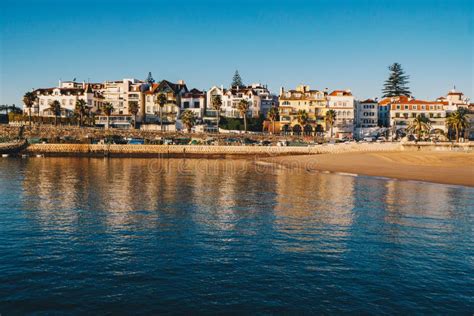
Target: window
186 104
70 102
406 107
63 102
415 107
197 104
431 115
397 114
398 107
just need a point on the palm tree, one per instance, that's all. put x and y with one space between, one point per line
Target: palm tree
243 107
161 101
458 121
302 118
216 103
29 100
90 118
330 118
55 107
273 116
133 108
189 119
80 110
420 124
107 109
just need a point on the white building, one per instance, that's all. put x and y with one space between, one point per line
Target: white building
67 94
258 96
195 101
171 110
342 102
120 93
366 113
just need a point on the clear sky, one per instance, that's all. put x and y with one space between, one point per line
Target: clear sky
332 44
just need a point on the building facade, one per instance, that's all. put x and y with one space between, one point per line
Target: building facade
366 114
404 109
259 99
67 94
292 102
171 109
342 102
195 101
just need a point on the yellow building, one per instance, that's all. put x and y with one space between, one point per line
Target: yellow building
313 102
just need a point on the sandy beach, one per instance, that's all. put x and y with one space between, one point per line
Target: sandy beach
439 167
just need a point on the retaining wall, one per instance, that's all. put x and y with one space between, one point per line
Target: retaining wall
197 150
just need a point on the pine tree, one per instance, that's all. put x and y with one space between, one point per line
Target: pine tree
150 79
236 80
396 84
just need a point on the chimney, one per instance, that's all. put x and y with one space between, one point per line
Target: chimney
59 86
222 87
282 91
181 82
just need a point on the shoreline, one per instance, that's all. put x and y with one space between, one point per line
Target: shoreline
455 168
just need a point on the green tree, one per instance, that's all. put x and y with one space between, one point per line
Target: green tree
189 119
149 79
330 119
14 109
458 120
243 107
80 110
107 108
272 115
29 100
55 107
133 108
161 100
237 80
302 118
420 124
4 107
396 84
216 103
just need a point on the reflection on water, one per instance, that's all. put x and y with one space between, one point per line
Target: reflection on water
95 235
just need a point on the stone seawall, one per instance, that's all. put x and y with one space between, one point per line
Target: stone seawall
197 150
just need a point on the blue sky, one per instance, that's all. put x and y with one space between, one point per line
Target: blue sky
326 44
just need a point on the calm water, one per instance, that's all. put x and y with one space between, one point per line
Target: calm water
144 236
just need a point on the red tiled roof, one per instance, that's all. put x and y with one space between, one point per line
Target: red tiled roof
340 92
413 101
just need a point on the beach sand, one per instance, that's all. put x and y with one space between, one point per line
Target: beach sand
439 167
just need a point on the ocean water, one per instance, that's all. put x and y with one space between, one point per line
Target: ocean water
147 236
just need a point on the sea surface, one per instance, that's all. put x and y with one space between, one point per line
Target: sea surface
148 236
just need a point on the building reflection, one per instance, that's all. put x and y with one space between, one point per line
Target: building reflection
314 206
406 201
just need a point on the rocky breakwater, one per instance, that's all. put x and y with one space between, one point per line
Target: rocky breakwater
12 147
